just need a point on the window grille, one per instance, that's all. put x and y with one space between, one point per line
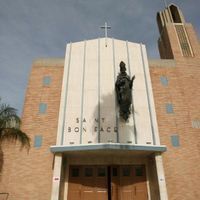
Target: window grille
196 123
183 40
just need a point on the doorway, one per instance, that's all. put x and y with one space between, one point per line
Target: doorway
113 182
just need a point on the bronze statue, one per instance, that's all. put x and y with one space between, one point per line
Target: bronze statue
123 87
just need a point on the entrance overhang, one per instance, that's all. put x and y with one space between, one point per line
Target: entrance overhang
107 148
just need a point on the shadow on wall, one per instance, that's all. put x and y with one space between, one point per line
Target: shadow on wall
104 124
108 126
127 129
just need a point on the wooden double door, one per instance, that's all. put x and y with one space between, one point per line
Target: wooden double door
124 182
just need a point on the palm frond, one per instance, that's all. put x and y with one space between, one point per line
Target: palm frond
8 117
13 135
10 126
10 121
6 110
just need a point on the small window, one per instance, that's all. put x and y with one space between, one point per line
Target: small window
42 108
101 172
126 171
46 80
38 141
139 171
175 141
164 80
114 172
169 108
88 172
75 172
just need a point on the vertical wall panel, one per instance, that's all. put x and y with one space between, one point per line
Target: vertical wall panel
125 128
116 125
73 107
63 101
90 105
141 112
107 93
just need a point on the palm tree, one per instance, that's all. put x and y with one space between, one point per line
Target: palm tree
10 126
10 129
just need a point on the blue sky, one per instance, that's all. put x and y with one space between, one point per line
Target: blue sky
31 29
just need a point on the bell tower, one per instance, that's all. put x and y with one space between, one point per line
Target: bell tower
178 39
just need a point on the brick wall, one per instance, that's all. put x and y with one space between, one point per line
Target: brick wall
181 164
28 176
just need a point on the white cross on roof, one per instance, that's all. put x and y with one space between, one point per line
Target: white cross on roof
106 27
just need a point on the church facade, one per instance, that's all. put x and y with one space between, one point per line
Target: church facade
82 148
